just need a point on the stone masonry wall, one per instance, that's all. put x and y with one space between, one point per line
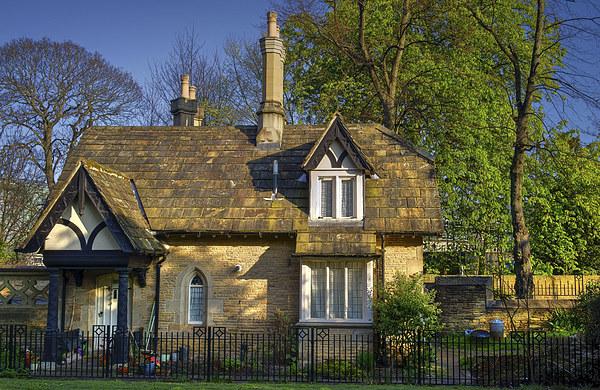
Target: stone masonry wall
244 300
403 254
467 303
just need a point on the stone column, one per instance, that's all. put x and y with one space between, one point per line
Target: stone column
121 334
52 331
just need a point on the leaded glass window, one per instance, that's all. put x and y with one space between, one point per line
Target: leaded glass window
196 300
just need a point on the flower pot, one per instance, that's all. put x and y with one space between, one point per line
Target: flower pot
149 368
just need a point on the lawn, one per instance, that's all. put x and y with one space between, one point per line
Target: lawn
78 384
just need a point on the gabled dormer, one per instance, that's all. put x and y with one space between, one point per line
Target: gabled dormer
336 170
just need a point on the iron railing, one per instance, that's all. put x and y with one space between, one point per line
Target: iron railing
308 355
568 286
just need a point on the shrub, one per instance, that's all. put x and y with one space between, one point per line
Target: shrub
339 369
402 304
365 361
587 310
564 322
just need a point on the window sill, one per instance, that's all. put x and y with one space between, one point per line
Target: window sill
336 324
346 222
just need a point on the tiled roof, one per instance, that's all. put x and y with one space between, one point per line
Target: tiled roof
198 179
117 192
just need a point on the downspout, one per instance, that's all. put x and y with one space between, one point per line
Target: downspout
382 260
156 297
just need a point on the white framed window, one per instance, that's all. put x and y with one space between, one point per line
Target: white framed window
336 291
196 301
337 195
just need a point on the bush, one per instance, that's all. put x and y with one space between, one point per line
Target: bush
340 370
564 322
587 310
402 304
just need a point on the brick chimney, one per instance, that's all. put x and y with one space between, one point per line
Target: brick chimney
185 108
271 114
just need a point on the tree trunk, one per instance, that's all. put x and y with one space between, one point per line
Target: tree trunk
521 248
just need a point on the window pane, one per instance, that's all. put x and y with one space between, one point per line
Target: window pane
196 299
317 290
336 290
326 198
348 198
355 289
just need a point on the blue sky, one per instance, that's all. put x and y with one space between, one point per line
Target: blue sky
132 33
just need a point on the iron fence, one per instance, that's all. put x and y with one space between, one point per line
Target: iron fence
307 355
570 286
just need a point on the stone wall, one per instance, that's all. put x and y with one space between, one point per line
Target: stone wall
467 303
239 300
403 254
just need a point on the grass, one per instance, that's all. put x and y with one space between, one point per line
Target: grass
78 384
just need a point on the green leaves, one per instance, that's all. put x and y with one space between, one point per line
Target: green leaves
402 304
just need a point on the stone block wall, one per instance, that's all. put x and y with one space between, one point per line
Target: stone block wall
403 254
239 300
467 303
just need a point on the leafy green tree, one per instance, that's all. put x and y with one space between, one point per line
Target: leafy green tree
526 42
436 88
563 203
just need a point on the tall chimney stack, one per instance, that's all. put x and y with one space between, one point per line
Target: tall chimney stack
271 114
185 107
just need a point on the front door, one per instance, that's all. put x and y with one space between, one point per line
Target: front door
107 300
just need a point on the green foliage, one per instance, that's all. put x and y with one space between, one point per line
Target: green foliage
402 304
587 310
564 199
339 369
365 361
564 322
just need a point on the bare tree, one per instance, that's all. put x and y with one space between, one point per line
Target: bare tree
215 88
22 194
50 92
243 62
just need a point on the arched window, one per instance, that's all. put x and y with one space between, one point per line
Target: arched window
196 301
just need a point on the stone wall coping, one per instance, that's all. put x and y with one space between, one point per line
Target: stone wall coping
531 304
464 281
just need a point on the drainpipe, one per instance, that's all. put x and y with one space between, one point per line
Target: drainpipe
156 298
382 260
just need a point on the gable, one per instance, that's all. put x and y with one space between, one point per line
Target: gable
95 209
336 158
80 232
336 145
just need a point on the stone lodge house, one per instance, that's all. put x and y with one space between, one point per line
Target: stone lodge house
175 227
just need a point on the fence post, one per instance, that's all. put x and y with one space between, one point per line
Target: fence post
311 357
209 341
419 358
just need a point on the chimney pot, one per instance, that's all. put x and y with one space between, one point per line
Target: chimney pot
273 30
185 86
192 92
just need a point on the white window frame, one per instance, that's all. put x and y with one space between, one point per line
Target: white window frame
305 293
337 176
189 299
